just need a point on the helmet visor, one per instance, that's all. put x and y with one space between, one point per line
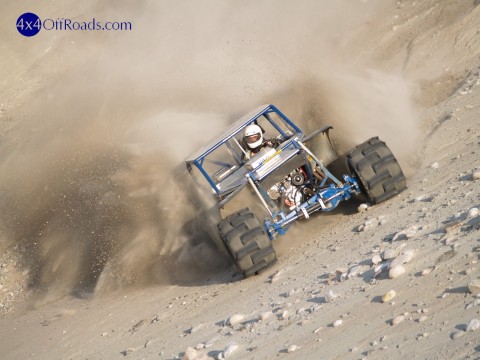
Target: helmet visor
252 138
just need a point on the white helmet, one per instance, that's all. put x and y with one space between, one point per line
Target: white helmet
253 136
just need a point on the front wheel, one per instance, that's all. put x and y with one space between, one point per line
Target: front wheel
247 242
379 173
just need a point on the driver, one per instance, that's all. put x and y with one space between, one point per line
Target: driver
253 138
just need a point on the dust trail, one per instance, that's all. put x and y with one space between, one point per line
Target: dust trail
89 186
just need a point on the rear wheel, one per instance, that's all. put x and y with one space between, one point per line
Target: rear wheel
247 242
379 173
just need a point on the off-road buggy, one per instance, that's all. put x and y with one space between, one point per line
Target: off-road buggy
303 174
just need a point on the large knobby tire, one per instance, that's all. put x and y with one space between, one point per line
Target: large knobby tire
247 242
379 173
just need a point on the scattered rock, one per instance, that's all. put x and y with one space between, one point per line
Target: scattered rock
389 254
368 225
422 336
235 319
452 226
472 304
398 319
292 348
212 342
458 334
422 318
264 315
474 286
376 259
472 213
473 325
230 349
275 277
389 295
192 354
427 271
381 267
362 208
194 329
404 258
129 351
423 197
330 296
407 233
396 271
288 293
139 325
337 323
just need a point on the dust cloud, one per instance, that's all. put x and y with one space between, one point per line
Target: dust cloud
90 187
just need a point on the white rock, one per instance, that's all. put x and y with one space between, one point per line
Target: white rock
264 315
230 349
434 165
404 258
376 259
389 254
398 319
190 354
473 325
426 271
474 286
235 319
419 198
472 213
362 208
338 323
408 255
422 318
457 334
472 304
275 277
396 271
292 348
357 270
330 295
285 315
410 232
476 175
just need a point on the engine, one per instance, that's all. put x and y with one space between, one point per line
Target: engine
291 191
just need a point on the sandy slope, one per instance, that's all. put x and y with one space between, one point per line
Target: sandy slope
391 53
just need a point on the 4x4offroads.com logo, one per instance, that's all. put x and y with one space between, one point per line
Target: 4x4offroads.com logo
30 24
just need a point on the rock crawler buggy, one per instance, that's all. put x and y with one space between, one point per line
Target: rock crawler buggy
284 184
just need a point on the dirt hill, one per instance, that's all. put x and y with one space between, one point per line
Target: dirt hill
96 261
